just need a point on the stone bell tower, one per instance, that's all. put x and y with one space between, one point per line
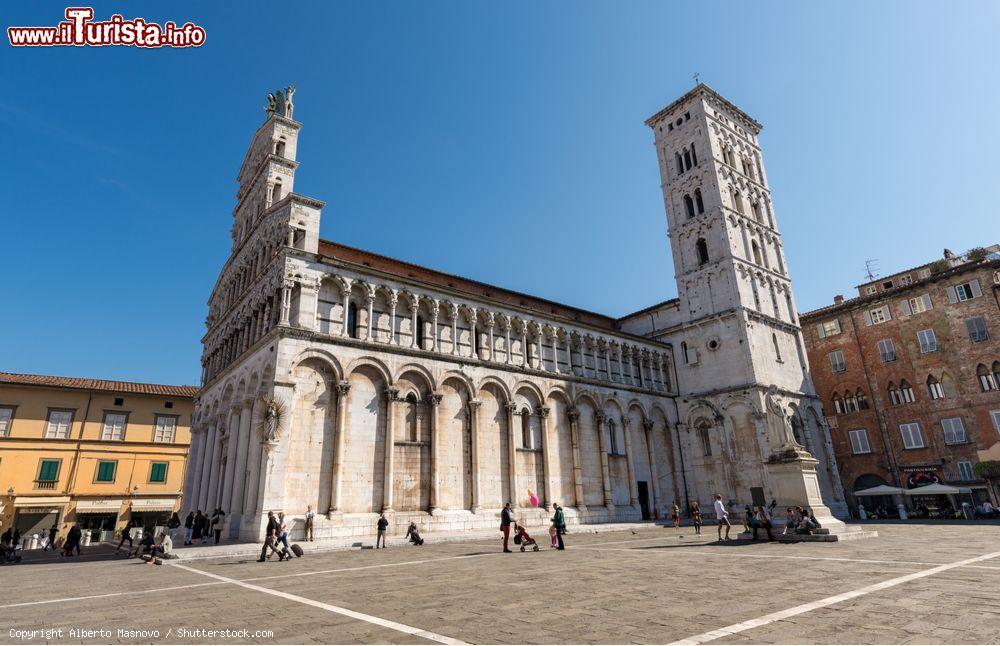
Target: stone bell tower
736 332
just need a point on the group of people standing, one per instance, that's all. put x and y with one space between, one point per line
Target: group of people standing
798 520
200 527
556 530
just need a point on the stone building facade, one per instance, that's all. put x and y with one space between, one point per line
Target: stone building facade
908 372
356 383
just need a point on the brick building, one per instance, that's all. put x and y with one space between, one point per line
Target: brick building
908 372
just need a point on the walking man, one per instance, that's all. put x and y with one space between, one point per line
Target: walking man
188 527
126 535
722 515
383 524
505 521
310 514
559 520
270 539
217 519
53 534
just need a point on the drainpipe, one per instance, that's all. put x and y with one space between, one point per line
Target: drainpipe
71 485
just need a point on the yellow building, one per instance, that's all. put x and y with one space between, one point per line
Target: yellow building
90 451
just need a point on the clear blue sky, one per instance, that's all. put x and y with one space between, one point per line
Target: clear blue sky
499 141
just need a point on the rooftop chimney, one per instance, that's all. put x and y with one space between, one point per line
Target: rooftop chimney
838 299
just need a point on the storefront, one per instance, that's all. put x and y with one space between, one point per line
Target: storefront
99 517
38 514
152 512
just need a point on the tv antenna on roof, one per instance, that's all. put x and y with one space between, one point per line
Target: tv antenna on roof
871 268
696 76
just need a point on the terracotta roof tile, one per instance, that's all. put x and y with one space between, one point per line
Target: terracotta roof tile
80 383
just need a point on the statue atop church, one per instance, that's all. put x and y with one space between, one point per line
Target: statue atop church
280 103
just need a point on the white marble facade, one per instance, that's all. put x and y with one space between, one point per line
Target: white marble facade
499 393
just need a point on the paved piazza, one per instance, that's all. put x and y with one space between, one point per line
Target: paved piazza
655 585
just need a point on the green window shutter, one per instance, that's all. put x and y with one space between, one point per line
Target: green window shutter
106 471
158 472
49 470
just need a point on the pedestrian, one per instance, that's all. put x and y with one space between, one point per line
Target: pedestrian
196 526
763 518
505 521
206 528
559 521
748 518
270 540
217 519
310 514
72 540
722 516
127 535
188 528
696 516
53 535
675 515
413 534
282 531
383 525
173 525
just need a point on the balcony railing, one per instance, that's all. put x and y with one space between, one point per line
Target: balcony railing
45 484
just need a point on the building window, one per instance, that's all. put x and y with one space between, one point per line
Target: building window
526 428
954 430
838 404
352 320
895 397
995 416
862 400
6 417
756 252
48 474
59 423
988 380
977 329
279 148
158 472
906 392
689 206
871 289
905 279
886 350
411 430
777 349
114 427
837 362
106 471
965 472
850 402
859 441
699 202
928 341
694 155
680 164
702 248
878 315
738 201
687 159
828 328
612 436
706 440
912 437
964 292
923 273
935 388
164 429
420 332
917 304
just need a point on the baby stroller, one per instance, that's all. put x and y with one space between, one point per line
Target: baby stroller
523 539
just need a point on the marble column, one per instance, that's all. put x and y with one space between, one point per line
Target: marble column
229 479
474 451
543 414
434 399
574 416
633 495
489 329
472 335
250 499
345 293
393 299
240 467
286 303
192 475
414 332
435 308
391 396
654 475
507 332
599 418
206 465
511 456
338 453
370 304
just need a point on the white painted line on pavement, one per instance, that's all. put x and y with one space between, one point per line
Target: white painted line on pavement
378 621
743 626
367 567
109 594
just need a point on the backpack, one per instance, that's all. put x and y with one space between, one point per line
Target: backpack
517 539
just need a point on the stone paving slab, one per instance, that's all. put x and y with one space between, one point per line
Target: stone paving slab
644 585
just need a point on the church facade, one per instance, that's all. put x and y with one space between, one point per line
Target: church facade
352 383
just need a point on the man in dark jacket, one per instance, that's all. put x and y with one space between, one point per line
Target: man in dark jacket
383 524
53 535
559 520
271 539
505 521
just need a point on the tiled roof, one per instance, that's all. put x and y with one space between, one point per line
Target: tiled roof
80 383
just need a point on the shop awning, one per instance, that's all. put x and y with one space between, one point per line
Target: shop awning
881 490
98 506
933 490
41 501
153 504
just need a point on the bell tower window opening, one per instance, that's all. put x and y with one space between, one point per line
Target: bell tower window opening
689 206
352 320
702 248
698 201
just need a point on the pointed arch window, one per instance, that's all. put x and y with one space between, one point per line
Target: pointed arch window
987 379
907 392
895 398
850 402
934 387
755 207
699 202
694 156
279 148
352 320
756 252
702 248
704 438
838 404
680 164
612 437
412 415
738 199
689 206
526 428
862 400
276 191
687 159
